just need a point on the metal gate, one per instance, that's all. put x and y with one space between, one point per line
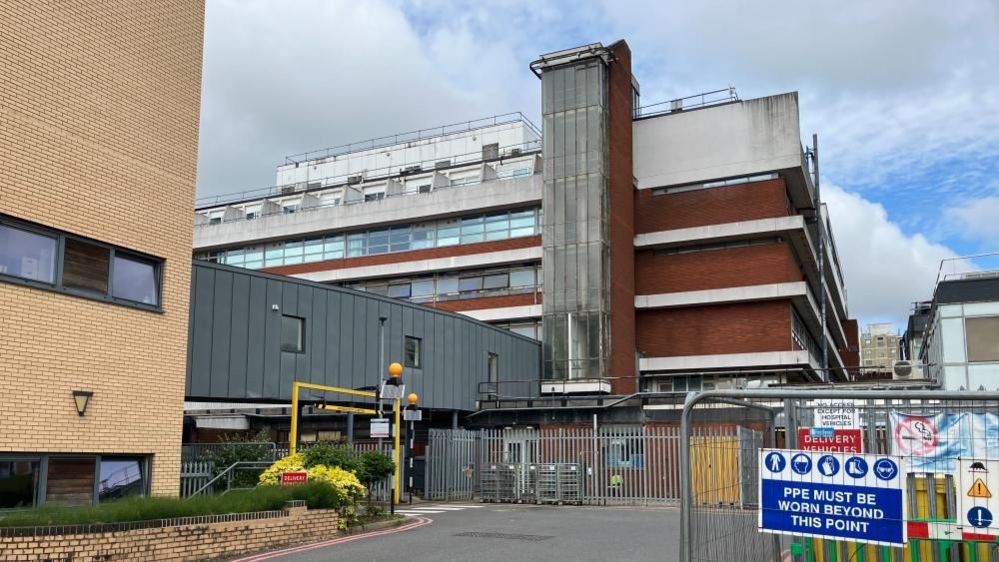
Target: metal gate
613 464
450 464
715 528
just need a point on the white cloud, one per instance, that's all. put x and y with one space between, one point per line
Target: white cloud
885 269
287 77
977 219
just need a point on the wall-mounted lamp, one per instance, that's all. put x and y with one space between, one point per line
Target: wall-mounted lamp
82 399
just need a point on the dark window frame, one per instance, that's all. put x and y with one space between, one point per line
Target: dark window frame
287 348
159 265
416 362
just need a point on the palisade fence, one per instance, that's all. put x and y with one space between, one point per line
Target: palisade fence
631 465
929 430
201 462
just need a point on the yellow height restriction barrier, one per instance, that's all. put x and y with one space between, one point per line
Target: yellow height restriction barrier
932 494
395 371
296 387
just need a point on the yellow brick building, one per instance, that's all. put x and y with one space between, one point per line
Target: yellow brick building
99 110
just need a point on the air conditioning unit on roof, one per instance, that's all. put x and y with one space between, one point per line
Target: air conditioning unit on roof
902 370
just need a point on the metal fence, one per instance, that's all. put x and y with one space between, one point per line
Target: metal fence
631 465
202 462
720 517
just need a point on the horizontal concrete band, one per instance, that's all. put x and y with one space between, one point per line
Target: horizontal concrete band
725 295
727 361
724 231
504 313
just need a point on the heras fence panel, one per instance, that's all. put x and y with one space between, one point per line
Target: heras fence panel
933 436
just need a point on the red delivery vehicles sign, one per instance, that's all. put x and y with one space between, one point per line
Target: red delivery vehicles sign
829 439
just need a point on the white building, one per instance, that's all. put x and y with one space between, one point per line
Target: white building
961 343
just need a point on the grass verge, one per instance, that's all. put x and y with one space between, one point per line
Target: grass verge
317 495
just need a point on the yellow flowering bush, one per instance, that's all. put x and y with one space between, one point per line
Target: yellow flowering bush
344 483
340 479
291 463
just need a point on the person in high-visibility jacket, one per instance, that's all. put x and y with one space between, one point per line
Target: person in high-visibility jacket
616 481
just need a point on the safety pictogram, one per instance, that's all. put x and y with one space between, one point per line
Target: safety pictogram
916 435
979 490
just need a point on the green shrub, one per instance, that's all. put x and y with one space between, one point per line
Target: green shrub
375 466
317 495
329 454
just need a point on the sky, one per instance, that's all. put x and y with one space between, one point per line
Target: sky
903 94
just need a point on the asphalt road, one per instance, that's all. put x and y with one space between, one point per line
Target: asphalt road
507 532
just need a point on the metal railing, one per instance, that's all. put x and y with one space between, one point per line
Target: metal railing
704 99
412 136
965 267
369 175
227 476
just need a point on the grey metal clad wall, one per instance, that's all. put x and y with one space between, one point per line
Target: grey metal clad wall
235 341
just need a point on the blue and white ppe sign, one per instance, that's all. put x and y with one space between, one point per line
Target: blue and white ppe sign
842 496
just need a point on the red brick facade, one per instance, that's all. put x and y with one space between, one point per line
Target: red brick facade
415 255
701 207
734 267
622 221
718 329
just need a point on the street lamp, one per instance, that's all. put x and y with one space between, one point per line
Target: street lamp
82 399
393 389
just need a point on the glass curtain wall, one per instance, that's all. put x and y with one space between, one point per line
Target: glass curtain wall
575 234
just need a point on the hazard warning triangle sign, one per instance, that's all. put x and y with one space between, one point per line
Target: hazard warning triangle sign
979 490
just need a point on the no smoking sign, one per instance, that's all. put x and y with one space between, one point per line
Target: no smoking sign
917 436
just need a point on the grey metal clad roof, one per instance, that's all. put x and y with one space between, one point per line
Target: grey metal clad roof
234 352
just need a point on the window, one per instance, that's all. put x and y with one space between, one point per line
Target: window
492 368
983 338
469 284
374 196
27 255
399 291
497 281
18 482
424 188
135 279
121 477
292 334
85 266
414 352
65 263
523 278
215 220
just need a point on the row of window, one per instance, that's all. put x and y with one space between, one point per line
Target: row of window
57 260
713 184
71 480
457 285
448 232
714 246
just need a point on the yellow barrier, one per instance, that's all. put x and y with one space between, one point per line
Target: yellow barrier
714 464
921 507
